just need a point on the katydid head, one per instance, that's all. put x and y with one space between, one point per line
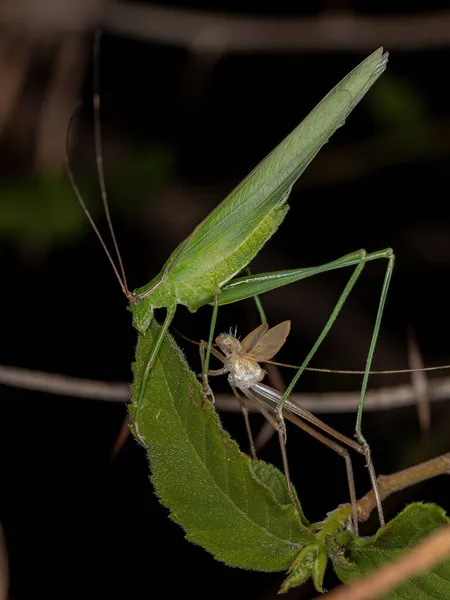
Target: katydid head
142 308
143 301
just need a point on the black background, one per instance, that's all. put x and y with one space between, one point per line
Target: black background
79 524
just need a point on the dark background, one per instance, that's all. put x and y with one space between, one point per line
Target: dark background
180 129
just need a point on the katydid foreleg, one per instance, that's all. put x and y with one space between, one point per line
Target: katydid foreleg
151 359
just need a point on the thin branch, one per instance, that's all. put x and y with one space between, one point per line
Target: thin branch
384 398
60 98
421 558
61 385
429 552
15 55
390 484
212 32
334 402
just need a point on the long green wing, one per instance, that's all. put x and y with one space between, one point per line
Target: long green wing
233 234
268 185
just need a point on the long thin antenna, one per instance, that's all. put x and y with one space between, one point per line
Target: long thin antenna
347 372
85 208
333 371
99 152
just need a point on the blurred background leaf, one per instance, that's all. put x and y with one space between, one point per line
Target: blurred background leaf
42 209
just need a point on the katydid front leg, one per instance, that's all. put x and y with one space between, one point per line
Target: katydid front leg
238 290
151 361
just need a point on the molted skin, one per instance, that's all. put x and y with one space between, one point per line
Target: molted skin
244 372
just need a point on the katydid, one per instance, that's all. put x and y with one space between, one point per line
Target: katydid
203 268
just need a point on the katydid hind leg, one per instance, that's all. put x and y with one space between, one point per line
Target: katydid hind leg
357 259
373 342
132 417
332 318
363 259
358 432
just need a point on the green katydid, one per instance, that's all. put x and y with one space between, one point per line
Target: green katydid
203 268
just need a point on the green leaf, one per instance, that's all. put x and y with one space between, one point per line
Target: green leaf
312 560
404 531
269 184
236 508
50 196
301 571
134 181
40 208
